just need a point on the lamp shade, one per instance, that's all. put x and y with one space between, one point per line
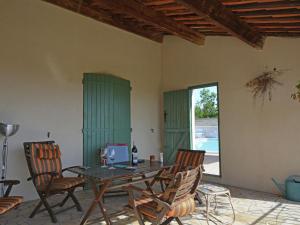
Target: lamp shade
8 130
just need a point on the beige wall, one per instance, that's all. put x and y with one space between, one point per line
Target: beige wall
258 142
44 51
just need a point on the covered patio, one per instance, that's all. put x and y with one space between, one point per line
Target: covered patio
163 95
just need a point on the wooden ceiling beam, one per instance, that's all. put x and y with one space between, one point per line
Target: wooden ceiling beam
225 19
152 17
108 18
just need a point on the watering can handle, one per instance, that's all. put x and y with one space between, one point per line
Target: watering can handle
279 186
296 181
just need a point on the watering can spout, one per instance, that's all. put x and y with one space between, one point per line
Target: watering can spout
280 186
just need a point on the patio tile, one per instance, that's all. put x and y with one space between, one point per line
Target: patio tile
251 208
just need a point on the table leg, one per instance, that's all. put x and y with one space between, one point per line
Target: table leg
97 201
230 201
148 184
207 208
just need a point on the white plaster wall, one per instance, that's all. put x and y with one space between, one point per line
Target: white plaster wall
257 142
44 51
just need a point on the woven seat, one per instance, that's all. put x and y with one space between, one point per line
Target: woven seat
7 203
176 201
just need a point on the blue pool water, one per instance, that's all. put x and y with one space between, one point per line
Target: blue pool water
210 145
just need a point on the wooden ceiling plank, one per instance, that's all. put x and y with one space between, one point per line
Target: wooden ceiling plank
225 19
106 17
266 6
168 7
150 16
270 19
186 18
263 13
241 2
157 2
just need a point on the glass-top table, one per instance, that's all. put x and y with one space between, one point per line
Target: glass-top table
101 179
122 170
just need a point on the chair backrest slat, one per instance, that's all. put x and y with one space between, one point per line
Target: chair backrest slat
183 186
188 158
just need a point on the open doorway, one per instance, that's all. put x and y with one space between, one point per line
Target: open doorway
205 125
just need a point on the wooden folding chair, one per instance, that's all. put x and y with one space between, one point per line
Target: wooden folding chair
175 202
44 164
9 202
185 159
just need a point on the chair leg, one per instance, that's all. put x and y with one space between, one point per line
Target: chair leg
167 221
77 204
48 207
178 221
64 200
162 186
38 206
198 198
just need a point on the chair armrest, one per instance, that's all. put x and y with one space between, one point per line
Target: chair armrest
53 174
132 188
71 167
9 182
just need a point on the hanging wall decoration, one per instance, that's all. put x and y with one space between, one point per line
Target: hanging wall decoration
296 95
262 85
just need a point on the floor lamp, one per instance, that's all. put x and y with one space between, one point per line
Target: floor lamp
6 130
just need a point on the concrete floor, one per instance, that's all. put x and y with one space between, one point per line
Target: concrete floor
251 208
211 164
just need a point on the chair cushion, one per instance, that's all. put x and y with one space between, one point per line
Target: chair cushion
39 163
49 152
63 183
7 203
149 208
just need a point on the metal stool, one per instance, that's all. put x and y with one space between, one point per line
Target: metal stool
210 190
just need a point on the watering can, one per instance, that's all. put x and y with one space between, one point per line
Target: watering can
291 188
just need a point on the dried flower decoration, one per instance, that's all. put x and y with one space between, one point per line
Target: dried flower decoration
262 85
296 95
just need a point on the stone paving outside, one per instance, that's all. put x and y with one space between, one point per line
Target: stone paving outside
251 208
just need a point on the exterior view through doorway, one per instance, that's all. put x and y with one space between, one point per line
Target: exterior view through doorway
205 125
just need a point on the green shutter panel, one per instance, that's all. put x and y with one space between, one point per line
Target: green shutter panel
176 123
106 114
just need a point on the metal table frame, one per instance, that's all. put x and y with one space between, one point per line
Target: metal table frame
209 190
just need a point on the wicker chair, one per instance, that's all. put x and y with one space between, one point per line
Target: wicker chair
44 163
184 159
9 202
176 201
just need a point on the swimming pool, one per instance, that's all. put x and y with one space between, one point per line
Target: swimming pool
210 145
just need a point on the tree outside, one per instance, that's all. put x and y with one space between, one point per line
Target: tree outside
206 106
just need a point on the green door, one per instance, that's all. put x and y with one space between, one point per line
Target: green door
176 123
106 114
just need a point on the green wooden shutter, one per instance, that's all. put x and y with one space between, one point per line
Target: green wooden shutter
106 112
176 123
